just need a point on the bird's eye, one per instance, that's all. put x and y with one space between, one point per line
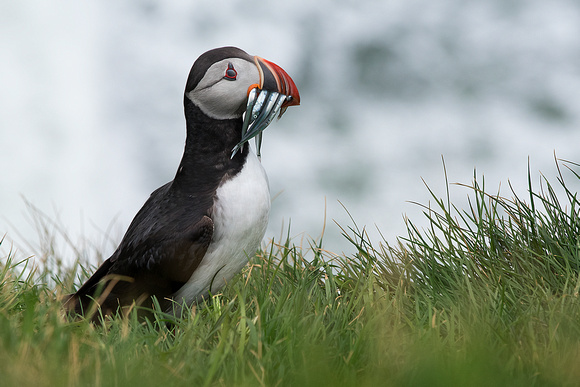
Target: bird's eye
231 73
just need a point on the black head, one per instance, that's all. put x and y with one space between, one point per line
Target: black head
220 80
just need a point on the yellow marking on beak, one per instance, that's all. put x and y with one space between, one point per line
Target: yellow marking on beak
257 62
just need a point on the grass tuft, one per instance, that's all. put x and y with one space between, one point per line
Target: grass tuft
487 294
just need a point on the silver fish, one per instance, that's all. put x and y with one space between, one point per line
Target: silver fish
262 107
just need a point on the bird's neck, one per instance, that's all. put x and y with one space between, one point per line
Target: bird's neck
208 148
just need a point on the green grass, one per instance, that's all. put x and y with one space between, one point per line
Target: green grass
487 294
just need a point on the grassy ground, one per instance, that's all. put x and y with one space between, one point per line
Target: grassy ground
487 295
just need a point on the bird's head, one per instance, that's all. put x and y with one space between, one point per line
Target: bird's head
227 83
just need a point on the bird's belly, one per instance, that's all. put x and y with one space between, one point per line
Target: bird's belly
240 216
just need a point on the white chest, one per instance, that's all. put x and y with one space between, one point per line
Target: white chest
240 217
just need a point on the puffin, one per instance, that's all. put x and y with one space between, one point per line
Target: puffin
196 232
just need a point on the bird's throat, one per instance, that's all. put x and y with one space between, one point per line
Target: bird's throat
207 156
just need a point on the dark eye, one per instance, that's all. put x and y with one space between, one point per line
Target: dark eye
231 73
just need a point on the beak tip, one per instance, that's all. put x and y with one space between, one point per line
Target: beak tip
285 84
295 100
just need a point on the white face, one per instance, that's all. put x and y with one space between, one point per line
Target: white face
222 97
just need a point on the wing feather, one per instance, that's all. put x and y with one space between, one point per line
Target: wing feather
157 256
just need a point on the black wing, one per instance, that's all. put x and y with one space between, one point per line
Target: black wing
160 251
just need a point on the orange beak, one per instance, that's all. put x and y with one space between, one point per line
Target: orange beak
272 96
274 78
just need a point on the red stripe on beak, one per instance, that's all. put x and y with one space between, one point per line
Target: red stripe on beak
285 84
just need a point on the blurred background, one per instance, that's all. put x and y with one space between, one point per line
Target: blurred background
91 115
